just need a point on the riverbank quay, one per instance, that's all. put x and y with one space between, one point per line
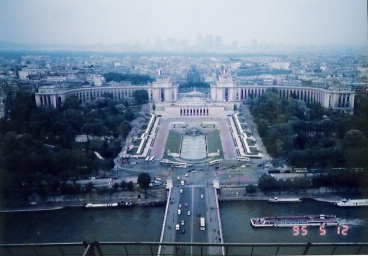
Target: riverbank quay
238 193
67 201
234 193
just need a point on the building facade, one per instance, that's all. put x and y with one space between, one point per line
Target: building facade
165 91
337 98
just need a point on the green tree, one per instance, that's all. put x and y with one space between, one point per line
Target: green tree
115 187
354 139
267 183
140 96
130 186
268 106
360 117
263 126
133 78
107 165
107 95
123 185
301 183
94 129
71 103
74 118
144 180
251 189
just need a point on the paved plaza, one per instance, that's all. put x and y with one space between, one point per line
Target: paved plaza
228 149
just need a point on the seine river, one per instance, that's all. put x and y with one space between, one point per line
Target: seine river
235 217
144 224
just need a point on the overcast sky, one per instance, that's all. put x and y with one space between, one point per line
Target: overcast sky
297 22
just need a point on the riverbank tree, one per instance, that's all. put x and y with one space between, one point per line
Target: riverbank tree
341 180
38 145
144 180
307 135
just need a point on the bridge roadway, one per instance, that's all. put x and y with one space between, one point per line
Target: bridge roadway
190 232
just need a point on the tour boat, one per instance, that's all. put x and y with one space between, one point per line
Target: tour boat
284 200
350 203
291 221
121 204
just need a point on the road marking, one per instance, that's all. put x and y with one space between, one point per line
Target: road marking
191 214
195 186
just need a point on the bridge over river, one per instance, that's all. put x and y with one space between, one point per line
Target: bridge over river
186 205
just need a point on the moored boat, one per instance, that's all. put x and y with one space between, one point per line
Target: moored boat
284 200
121 204
352 202
109 205
153 203
291 221
125 204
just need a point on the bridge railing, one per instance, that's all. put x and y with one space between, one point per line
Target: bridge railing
150 248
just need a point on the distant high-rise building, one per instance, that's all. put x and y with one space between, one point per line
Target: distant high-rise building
199 40
209 41
218 42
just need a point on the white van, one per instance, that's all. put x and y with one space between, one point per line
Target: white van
177 227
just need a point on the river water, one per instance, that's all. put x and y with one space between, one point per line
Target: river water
144 224
77 225
235 217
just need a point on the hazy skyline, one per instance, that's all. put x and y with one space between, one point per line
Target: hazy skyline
84 22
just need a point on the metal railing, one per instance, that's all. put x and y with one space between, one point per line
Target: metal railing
151 248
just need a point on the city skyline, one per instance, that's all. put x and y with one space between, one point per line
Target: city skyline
253 23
